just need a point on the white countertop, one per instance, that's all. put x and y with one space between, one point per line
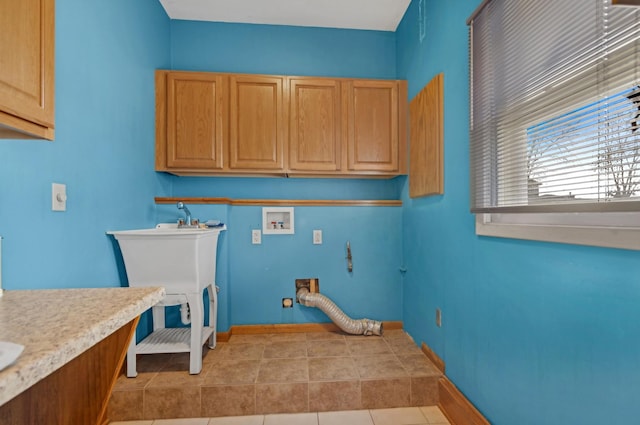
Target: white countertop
57 325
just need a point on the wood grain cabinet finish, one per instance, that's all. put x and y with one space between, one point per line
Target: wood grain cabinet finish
315 130
257 123
241 124
196 115
375 127
27 69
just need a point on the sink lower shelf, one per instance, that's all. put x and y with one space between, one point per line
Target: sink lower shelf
170 340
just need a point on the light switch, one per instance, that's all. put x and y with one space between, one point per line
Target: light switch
317 237
58 197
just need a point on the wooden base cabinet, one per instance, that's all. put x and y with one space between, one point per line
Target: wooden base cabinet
226 124
27 69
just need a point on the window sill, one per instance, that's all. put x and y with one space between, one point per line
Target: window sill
601 236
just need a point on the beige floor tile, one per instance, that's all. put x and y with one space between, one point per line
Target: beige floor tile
424 391
347 417
332 396
232 372
126 405
210 356
176 379
139 382
187 421
396 333
384 366
367 347
282 398
385 393
316 336
286 349
292 419
418 365
242 351
288 337
228 400
434 415
151 362
283 370
169 403
398 416
326 348
238 420
404 346
332 369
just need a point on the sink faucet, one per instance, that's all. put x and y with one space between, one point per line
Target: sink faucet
188 222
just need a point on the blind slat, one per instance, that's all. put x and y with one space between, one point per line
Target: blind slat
555 106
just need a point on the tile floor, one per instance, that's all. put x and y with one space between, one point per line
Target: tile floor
426 415
281 373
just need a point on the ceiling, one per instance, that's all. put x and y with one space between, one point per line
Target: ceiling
381 15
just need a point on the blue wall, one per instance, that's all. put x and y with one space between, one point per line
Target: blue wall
275 49
259 276
106 53
533 333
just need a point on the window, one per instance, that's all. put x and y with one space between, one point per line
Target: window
555 121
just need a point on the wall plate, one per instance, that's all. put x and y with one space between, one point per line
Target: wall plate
278 221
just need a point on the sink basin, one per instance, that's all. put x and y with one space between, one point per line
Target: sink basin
181 260
184 262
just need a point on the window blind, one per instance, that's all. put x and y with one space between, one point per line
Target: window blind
555 106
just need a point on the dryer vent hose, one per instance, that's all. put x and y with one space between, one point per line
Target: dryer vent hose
344 322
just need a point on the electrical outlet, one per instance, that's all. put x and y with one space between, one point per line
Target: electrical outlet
317 237
287 302
438 317
256 237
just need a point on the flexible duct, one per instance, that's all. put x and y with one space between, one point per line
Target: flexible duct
344 322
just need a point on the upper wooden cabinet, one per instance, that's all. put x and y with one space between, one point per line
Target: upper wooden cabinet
196 113
276 125
27 69
315 135
257 124
372 125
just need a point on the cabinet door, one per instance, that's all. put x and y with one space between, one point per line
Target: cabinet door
372 122
195 120
315 124
27 66
257 123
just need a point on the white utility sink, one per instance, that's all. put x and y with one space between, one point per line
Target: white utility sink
183 260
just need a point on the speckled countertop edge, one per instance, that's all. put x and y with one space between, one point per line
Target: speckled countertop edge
57 325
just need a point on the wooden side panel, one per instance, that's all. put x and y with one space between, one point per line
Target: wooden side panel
27 66
257 123
426 167
456 407
77 393
403 125
315 124
195 120
161 120
373 126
